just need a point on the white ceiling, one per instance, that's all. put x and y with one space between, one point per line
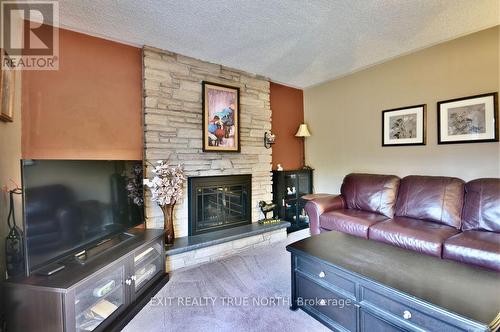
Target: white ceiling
295 42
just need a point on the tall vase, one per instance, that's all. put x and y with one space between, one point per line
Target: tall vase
168 223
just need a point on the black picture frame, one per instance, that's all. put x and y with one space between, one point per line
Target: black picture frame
441 105
207 140
385 126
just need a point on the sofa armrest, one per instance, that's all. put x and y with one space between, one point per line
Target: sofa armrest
318 204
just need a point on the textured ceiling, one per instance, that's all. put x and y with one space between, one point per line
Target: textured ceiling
295 42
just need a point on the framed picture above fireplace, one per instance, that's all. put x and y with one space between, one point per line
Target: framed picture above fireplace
221 121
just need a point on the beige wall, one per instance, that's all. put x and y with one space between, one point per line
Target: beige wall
345 114
10 156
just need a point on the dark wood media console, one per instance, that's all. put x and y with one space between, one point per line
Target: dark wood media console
103 294
353 284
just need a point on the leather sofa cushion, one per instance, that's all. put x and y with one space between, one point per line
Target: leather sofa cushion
371 192
474 247
354 222
413 234
482 205
433 198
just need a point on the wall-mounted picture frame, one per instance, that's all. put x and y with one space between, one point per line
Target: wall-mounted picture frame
472 119
7 94
404 126
221 117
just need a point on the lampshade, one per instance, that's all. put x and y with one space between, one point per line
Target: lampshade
303 131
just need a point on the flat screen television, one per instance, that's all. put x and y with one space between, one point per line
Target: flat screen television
70 205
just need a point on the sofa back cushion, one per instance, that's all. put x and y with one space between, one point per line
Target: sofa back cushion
432 198
371 192
482 205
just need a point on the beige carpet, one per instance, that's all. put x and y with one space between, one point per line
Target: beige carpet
249 291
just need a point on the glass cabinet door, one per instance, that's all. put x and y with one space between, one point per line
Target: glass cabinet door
99 298
303 218
304 184
147 263
291 210
290 186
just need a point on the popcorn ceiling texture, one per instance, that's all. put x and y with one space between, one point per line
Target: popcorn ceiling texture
299 43
173 126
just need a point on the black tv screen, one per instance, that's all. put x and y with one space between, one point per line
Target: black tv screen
72 204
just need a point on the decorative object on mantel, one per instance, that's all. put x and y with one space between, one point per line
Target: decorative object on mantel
221 122
166 189
303 132
274 220
269 139
471 119
266 208
7 91
404 126
279 167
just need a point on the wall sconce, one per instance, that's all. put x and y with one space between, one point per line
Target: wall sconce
269 139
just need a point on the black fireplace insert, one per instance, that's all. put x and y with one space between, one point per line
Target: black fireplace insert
219 202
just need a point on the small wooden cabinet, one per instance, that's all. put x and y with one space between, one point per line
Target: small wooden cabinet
91 297
288 188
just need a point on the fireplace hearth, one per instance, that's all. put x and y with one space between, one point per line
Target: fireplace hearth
219 202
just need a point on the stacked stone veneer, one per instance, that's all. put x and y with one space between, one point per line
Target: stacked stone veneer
173 126
218 251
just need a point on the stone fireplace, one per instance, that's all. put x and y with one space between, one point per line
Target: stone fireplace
173 132
219 202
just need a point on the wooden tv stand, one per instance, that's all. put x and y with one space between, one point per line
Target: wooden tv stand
103 294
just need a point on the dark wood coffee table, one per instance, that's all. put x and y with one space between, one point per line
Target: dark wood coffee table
353 284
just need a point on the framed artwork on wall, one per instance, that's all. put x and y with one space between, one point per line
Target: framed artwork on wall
404 126
221 121
7 90
471 119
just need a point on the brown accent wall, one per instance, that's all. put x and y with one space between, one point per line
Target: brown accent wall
287 105
91 108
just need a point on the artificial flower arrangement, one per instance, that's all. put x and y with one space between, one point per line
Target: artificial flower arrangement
134 185
166 188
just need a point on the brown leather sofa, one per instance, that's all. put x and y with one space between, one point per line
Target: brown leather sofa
433 215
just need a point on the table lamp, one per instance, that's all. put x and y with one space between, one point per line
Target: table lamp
303 132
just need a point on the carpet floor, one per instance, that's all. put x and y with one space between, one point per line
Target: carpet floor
249 291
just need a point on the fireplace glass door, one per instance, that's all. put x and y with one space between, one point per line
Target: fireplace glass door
219 204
